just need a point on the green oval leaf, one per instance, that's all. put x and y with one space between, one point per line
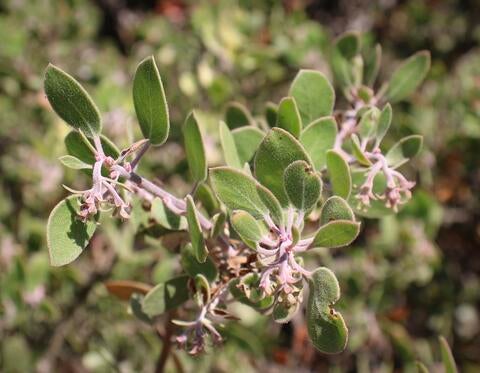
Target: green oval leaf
246 226
237 191
302 185
336 233
314 95
335 208
74 163
271 114
247 139
326 327
277 150
384 123
272 204
194 149
150 102
230 152
71 102
319 137
166 296
403 150
67 236
76 146
339 174
408 76
237 115
195 231
288 116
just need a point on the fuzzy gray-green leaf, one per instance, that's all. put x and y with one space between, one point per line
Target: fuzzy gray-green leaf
339 174
67 236
336 233
194 149
246 226
302 185
71 102
277 150
237 190
288 116
230 152
319 137
150 102
447 356
408 76
326 327
74 163
195 230
403 150
247 139
313 94
335 208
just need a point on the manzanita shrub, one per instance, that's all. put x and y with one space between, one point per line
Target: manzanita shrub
295 180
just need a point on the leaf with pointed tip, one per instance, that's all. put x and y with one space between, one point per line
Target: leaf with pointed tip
237 191
339 174
288 116
326 327
336 233
271 114
167 218
372 59
384 122
358 152
193 267
247 139
447 356
77 147
302 185
314 95
67 236
408 76
150 102
344 58
71 102
368 123
403 150
230 152
194 149
166 296
195 231
319 137
206 197
123 289
246 226
277 150
272 204
335 208
74 163
237 115
218 224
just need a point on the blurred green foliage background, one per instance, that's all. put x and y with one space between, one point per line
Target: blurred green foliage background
406 280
